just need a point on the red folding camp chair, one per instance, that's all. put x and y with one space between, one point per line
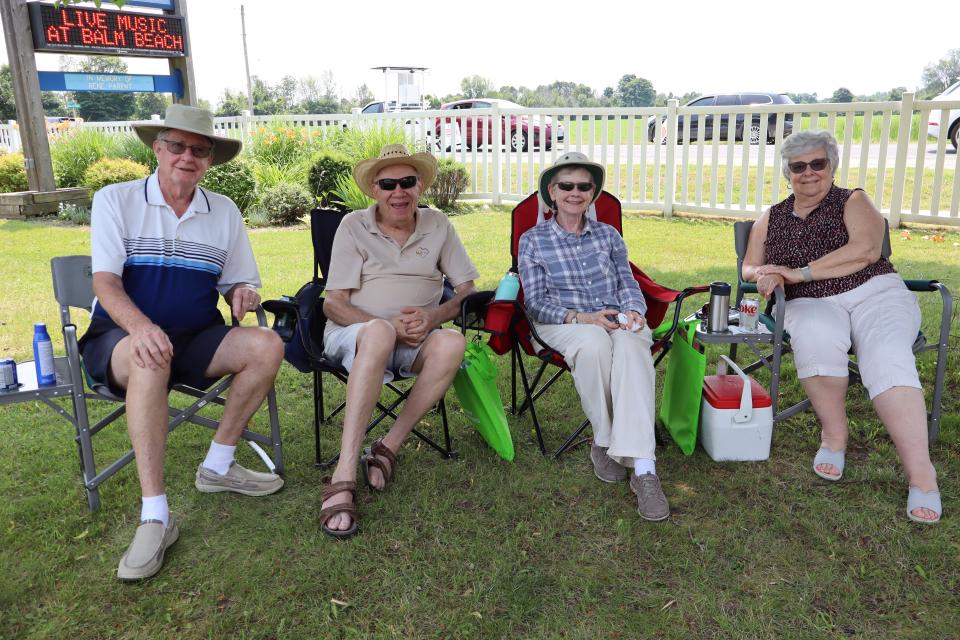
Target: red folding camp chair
512 330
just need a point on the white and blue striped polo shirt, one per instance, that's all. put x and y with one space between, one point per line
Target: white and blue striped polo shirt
172 268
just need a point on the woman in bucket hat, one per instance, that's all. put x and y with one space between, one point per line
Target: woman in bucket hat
579 288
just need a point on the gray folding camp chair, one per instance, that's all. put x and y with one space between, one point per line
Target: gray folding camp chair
73 287
782 347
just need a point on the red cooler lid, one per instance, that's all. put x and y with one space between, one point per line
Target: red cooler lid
723 392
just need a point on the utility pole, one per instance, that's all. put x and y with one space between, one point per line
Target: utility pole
246 60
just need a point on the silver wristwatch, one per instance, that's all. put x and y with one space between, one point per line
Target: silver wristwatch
806 273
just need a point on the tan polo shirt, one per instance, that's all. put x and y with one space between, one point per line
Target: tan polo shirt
384 277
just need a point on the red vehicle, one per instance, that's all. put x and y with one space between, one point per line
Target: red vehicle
518 131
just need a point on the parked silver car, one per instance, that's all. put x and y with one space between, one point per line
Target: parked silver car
953 118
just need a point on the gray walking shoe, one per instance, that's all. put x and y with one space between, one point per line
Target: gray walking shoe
144 557
605 467
239 480
651 503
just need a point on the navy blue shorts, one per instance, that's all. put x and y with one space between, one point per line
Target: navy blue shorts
193 352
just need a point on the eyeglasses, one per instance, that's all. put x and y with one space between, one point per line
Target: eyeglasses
817 165
580 186
176 148
389 184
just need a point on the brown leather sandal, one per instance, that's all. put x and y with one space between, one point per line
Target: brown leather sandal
370 459
331 489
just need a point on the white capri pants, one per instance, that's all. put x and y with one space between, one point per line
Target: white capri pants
879 320
614 376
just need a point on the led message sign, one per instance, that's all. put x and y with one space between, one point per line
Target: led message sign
81 30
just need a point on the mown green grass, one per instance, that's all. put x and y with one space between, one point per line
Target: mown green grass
478 547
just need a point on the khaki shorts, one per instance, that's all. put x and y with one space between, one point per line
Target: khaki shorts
340 345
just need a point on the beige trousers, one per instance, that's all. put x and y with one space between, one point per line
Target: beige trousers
614 376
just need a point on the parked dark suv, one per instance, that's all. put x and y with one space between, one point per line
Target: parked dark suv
732 100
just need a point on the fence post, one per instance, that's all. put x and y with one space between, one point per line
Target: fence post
670 160
245 126
497 141
900 168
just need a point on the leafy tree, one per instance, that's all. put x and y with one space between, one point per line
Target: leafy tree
149 104
476 87
803 98
635 92
842 95
8 109
104 106
365 95
937 76
232 104
896 93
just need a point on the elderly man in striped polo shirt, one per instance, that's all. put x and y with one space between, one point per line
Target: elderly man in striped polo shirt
163 249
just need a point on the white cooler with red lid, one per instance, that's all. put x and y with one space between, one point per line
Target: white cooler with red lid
736 419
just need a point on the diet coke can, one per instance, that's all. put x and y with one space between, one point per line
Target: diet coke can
749 311
8 375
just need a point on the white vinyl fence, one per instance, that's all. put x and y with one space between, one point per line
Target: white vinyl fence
909 177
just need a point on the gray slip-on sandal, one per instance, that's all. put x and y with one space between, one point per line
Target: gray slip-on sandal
827 456
919 499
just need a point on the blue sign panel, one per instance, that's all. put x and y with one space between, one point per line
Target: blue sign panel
166 5
116 82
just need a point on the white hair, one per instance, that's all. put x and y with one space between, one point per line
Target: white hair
803 142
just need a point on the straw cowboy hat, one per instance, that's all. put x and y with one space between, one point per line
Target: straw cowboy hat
571 160
393 154
192 120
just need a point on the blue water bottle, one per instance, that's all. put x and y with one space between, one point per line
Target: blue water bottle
43 355
509 287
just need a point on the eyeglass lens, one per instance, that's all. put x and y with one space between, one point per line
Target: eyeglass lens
176 148
580 186
389 184
817 165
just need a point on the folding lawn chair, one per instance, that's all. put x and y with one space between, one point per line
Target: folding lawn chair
773 318
300 321
512 329
73 287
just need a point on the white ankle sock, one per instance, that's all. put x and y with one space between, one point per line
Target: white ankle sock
644 465
219 457
155 508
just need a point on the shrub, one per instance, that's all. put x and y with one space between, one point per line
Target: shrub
257 216
111 171
13 177
362 143
327 168
286 203
280 145
233 179
451 180
130 147
350 194
74 213
76 150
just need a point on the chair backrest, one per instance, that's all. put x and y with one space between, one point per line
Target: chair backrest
526 215
323 227
72 284
741 236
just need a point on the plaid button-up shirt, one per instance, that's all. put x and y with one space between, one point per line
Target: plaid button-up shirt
562 271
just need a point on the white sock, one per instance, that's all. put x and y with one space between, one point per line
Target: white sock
155 508
644 465
219 457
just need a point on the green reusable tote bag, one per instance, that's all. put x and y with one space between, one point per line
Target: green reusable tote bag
683 388
476 387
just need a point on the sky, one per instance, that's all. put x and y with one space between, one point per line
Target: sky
696 45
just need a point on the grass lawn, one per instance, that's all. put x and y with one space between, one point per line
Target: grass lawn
478 547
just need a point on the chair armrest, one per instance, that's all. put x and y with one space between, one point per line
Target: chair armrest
747 287
472 310
284 316
921 285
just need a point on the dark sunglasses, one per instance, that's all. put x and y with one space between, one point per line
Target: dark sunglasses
389 184
817 165
580 186
177 148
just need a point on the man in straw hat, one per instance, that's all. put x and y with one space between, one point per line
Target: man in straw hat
384 312
163 248
585 303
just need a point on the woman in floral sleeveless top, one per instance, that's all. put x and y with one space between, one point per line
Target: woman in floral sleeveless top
823 246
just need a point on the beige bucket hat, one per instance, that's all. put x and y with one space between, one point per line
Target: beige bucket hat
393 154
571 160
192 120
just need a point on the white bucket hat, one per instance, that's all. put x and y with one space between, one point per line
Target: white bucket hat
191 120
571 160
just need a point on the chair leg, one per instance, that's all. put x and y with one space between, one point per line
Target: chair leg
317 417
276 444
